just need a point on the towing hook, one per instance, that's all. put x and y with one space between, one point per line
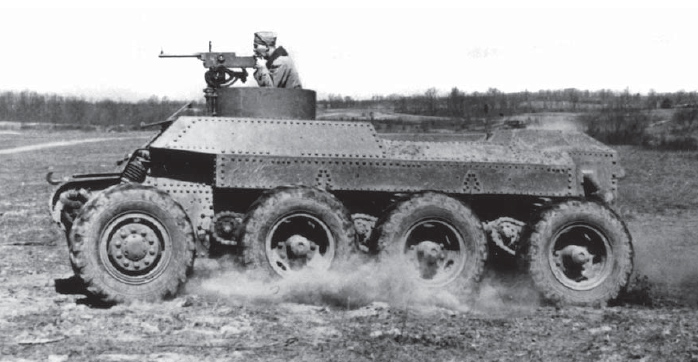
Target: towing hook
52 181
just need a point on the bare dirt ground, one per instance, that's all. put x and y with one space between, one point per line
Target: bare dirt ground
362 312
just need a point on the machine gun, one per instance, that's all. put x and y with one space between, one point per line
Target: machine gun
219 74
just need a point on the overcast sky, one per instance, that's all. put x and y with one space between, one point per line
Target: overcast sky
80 48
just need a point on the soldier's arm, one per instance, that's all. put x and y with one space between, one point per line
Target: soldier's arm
263 77
280 71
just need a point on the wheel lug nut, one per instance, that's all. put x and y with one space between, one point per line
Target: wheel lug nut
123 233
143 234
126 264
117 243
133 231
152 251
151 241
146 263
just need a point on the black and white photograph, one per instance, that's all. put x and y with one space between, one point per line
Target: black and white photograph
348 181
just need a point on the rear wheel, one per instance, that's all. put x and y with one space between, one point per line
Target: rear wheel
294 229
438 238
132 242
580 253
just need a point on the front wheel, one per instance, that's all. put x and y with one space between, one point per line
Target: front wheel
132 242
579 253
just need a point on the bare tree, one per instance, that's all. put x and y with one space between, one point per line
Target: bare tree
431 101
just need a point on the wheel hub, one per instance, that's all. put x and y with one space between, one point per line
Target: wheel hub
574 261
134 247
580 257
429 257
429 252
436 250
297 242
299 247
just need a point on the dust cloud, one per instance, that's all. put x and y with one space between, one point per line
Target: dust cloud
664 276
506 291
358 283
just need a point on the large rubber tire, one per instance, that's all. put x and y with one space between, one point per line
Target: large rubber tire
593 229
132 242
285 212
425 220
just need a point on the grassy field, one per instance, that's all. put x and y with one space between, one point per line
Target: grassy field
659 182
24 192
658 198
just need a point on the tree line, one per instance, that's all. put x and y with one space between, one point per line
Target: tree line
30 107
460 104
600 108
610 116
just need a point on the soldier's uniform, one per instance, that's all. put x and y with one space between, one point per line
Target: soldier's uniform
279 70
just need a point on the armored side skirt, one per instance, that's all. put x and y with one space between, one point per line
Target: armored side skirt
351 156
261 172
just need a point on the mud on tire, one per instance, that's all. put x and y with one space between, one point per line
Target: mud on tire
439 237
68 206
579 253
289 229
132 242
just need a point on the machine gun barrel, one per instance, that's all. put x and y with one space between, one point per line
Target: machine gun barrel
215 60
180 55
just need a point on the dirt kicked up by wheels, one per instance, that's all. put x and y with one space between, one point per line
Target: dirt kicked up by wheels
437 235
253 174
297 228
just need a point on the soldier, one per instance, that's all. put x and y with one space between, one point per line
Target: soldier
274 67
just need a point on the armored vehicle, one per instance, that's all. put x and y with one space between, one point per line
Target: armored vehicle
256 175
